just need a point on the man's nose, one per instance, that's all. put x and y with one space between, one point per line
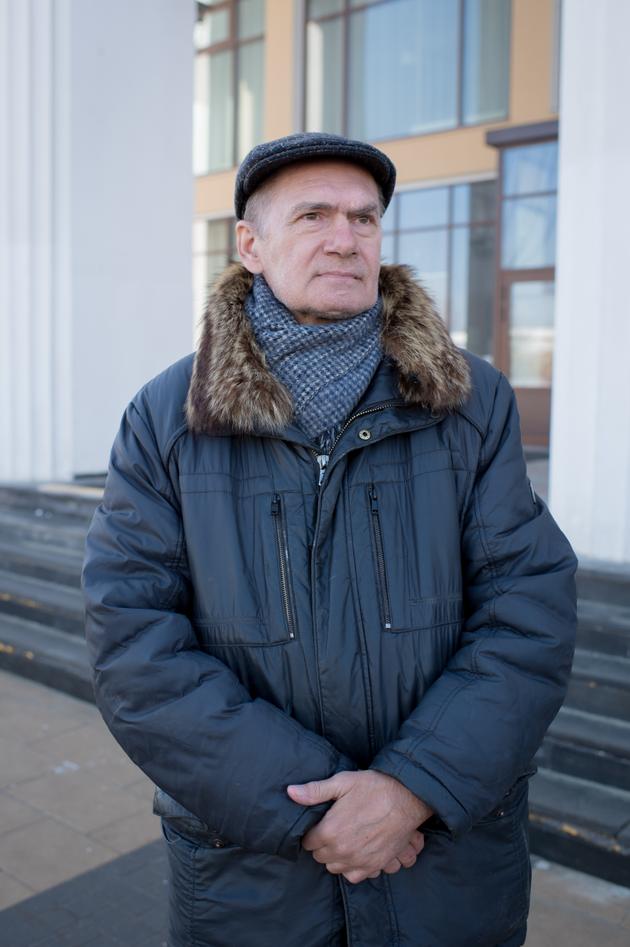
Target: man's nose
341 237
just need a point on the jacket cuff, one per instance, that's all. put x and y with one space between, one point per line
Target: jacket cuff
309 816
427 788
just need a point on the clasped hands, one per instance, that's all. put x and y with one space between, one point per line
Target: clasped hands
371 827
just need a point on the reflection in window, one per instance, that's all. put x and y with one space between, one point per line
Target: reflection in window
531 333
436 78
229 81
448 235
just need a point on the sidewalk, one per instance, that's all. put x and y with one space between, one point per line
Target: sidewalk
82 861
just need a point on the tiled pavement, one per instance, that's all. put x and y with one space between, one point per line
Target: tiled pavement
81 859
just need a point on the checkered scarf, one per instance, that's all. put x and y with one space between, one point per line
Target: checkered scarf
325 367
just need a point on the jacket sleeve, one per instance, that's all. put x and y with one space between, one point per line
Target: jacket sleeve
181 715
478 726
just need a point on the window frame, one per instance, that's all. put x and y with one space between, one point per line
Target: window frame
344 14
232 44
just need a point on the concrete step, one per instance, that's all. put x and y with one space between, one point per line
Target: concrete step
582 824
42 561
55 530
47 655
71 500
588 746
605 582
600 684
47 603
604 627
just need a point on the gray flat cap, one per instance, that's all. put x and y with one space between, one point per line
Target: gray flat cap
270 156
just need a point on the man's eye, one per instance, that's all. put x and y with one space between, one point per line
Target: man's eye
312 215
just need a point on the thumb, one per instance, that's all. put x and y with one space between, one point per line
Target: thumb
310 794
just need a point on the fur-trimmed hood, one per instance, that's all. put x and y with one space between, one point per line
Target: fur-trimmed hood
232 385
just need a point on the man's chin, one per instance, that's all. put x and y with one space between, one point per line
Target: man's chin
335 310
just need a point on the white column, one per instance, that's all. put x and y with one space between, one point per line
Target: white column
590 435
96 196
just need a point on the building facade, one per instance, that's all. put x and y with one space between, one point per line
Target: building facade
504 119
461 94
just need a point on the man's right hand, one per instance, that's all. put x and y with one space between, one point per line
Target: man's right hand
406 858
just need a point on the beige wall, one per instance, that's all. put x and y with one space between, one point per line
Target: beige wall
453 154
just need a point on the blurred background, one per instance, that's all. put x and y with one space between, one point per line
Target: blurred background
121 128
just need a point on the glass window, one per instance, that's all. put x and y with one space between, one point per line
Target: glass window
531 333
251 18
390 68
530 169
486 66
472 288
213 248
448 235
528 232
427 252
474 203
324 106
250 111
229 82
418 90
423 208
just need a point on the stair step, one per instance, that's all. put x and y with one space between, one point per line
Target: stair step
604 627
47 603
600 684
579 823
588 746
51 529
70 500
41 561
604 582
46 655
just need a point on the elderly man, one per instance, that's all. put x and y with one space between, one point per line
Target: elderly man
327 614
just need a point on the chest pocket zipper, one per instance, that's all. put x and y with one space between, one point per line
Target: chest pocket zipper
383 593
282 546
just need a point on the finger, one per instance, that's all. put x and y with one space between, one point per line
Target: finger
355 877
392 867
374 874
322 790
417 841
407 857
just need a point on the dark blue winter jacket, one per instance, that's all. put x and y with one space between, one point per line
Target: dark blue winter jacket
249 628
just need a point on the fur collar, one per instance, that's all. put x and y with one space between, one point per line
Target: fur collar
232 386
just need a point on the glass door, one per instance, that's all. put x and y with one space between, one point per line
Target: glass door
527 306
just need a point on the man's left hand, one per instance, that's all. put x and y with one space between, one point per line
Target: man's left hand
374 819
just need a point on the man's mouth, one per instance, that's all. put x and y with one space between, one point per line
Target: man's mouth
339 275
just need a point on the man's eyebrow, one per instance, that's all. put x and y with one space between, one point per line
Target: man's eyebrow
309 207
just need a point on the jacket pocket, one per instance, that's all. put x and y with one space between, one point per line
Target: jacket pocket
284 565
379 559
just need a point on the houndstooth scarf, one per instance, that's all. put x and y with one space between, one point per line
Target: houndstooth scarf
325 367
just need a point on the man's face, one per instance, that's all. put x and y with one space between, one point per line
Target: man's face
318 243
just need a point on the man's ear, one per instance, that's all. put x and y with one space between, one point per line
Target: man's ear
247 241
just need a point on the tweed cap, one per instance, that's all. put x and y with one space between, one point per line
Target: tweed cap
270 156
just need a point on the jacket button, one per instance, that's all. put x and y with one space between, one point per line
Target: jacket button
218 842
364 434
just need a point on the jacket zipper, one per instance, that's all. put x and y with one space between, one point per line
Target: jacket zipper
324 459
380 559
283 558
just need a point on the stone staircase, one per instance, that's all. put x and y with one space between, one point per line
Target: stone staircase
580 797
42 534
